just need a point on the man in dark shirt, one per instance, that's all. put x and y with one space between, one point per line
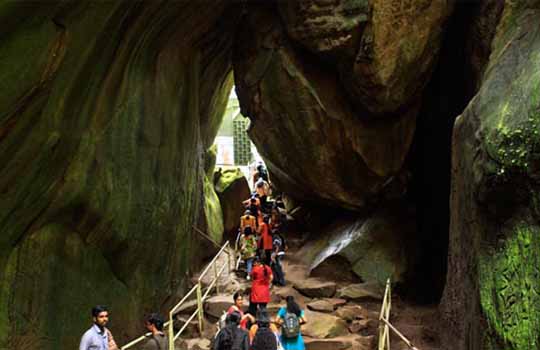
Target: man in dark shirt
231 337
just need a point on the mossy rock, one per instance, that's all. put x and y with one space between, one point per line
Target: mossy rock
232 188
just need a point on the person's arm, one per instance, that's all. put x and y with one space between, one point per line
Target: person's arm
85 342
302 319
249 317
112 343
217 341
270 275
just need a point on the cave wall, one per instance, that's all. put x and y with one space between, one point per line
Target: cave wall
106 110
492 289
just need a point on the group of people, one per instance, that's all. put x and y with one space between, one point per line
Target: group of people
259 235
242 331
262 248
99 337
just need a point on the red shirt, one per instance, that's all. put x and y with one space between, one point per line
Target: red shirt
266 240
234 308
260 288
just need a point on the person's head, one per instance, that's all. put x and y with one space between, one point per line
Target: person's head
238 300
100 315
256 260
262 318
253 200
266 219
292 306
233 319
260 167
247 212
248 231
260 183
154 322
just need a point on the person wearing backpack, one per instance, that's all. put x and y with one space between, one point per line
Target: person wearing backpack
232 337
291 317
263 333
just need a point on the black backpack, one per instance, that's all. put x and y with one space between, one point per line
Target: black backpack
291 325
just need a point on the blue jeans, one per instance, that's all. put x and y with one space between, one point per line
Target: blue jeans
249 265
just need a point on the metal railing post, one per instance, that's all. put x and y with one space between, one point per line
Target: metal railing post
171 331
216 278
233 253
200 306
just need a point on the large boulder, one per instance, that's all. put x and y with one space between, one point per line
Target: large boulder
320 325
396 54
316 146
377 248
361 291
232 188
384 50
493 282
315 288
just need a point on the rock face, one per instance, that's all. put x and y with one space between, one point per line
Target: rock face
396 53
103 128
376 248
491 295
345 158
232 188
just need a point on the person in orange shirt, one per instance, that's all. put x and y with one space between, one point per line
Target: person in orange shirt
247 220
265 240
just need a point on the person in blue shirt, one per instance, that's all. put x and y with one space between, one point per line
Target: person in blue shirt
284 313
98 337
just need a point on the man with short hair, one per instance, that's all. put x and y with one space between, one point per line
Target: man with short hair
157 340
98 337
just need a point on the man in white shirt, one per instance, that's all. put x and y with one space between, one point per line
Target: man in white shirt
98 337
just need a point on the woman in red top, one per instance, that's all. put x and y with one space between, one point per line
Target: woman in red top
237 307
261 276
265 241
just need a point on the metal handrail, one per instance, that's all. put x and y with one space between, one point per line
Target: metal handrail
384 322
169 325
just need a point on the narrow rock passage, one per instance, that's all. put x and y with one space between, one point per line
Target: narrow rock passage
340 315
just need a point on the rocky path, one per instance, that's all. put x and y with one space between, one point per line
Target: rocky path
341 315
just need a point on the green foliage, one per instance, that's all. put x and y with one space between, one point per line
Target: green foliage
510 290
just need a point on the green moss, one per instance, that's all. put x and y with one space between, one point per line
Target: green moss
227 177
514 141
212 211
510 290
210 161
